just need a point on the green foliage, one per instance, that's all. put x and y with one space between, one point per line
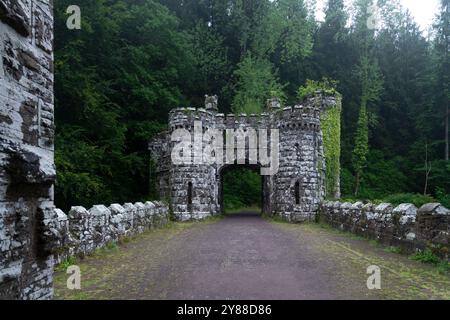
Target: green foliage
327 87
256 83
241 188
397 250
295 30
426 256
62 267
381 177
132 61
331 128
443 197
417 199
443 267
347 182
114 82
361 149
111 246
440 177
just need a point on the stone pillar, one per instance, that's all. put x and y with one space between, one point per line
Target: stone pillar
433 226
27 170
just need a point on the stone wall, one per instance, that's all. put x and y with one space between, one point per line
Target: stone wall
301 159
83 231
27 172
405 225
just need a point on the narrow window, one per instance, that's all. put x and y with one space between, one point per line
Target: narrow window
189 196
297 193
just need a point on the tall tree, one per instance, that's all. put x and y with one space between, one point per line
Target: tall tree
368 74
442 49
115 80
293 26
330 41
256 82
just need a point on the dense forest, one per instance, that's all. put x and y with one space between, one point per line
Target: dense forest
133 60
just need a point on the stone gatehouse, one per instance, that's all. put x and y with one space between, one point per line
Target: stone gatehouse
294 192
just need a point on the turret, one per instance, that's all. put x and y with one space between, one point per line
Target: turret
273 104
211 103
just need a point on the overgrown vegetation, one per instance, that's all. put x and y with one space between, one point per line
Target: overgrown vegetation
391 249
66 263
117 78
430 256
241 189
396 199
326 86
426 256
331 128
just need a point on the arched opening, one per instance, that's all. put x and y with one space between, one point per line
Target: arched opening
241 189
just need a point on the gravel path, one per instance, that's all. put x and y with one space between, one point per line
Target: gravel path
246 257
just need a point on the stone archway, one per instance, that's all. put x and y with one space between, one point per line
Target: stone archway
264 196
293 192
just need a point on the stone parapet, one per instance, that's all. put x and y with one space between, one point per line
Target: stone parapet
405 225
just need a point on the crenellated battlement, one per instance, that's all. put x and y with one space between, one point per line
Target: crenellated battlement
299 117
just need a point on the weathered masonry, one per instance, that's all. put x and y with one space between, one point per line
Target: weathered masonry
294 192
27 173
404 226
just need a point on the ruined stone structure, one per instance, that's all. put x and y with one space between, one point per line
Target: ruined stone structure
27 173
294 192
404 226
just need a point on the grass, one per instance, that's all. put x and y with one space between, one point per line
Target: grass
393 249
443 267
427 256
402 279
62 267
245 209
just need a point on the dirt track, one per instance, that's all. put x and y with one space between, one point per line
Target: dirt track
246 257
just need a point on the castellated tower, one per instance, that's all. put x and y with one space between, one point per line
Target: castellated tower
194 187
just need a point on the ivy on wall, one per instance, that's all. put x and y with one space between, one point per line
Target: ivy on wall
331 130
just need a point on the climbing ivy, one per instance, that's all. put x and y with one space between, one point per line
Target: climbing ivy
331 128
